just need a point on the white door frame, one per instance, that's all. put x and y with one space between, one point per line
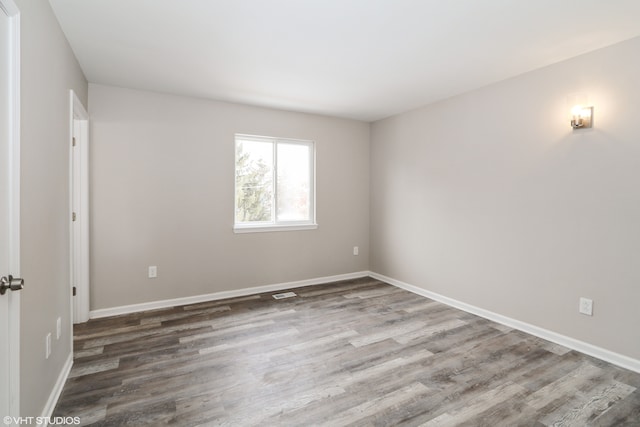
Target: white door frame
79 205
11 9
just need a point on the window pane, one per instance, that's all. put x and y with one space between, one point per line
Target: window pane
254 181
294 180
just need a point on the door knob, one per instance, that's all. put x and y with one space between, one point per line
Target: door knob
10 283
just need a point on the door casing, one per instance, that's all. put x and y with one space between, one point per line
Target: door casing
10 313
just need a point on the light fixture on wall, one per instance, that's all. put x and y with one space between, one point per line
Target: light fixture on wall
581 117
581 114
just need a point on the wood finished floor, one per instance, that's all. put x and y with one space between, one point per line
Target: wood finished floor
358 352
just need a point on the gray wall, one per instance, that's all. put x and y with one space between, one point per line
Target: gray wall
490 198
49 70
162 188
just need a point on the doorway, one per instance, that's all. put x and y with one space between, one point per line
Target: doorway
79 186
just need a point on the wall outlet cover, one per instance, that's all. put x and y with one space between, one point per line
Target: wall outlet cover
586 306
47 343
58 328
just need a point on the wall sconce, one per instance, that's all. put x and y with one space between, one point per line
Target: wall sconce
581 117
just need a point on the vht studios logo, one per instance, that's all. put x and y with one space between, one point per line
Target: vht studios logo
52 421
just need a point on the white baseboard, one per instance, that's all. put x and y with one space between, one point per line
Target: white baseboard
572 343
57 390
134 308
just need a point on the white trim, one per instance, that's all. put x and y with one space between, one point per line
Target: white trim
13 12
14 239
57 390
9 7
263 138
77 109
239 229
79 191
134 308
572 343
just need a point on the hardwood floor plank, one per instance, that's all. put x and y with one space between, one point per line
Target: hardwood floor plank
563 386
380 403
476 406
225 331
91 368
587 406
183 315
94 351
625 413
311 344
380 334
428 330
250 341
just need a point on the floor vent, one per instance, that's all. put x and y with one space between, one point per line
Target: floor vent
284 295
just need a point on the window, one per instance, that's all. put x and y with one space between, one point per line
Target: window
275 183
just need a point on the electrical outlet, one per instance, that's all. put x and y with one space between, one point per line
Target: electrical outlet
153 272
356 250
58 328
47 344
586 306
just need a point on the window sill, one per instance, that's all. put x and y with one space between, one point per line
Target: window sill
271 228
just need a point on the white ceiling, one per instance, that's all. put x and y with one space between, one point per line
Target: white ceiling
362 59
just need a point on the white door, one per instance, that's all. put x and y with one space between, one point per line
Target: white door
79 161
9 213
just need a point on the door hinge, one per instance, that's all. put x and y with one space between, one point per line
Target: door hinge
73 216
74 291
73 141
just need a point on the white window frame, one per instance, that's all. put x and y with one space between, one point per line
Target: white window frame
267 226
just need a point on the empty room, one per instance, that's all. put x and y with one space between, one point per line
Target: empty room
320 212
